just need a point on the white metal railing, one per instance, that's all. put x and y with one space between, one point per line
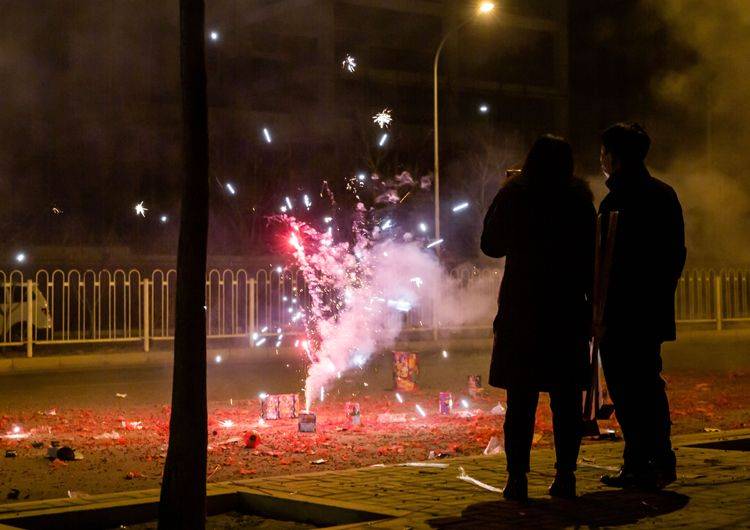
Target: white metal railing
123 305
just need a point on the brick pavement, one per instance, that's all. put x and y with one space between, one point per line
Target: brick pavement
712 491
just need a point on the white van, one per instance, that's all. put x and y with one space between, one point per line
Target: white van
13 312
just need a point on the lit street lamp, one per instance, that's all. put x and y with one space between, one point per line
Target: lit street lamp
484 8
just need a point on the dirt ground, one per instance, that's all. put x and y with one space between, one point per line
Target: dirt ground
123 439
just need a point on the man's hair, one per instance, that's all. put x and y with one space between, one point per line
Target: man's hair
628 142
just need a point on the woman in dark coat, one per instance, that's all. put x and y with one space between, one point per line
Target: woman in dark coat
543 222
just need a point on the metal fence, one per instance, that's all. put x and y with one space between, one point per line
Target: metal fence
123 305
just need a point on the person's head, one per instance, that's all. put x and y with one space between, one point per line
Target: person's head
549 160
624 146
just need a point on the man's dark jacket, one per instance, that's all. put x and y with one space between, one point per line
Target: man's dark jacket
649 255
545 230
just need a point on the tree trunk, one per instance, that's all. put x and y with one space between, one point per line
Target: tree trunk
183 492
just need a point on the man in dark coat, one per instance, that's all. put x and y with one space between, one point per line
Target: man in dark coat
542 221
647 261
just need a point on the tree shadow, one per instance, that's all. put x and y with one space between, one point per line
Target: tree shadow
596 509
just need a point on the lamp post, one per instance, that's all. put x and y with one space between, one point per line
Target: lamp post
483 8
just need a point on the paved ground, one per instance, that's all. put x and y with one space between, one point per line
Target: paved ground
712 491
708 387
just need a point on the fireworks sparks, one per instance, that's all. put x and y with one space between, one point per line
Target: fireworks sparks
460 207
383 118
267 135
226 424
420 410
214 35
417 281
21 257
163 218
435 243
56 210
307 201
218 359
423 227
288 202
484 109
445 354
140 209
465 403
230 188
399 398
383 140
349 63
260 342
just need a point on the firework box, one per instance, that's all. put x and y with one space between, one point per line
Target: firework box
446 403
405 370
352 413
307 421
279 406
475 386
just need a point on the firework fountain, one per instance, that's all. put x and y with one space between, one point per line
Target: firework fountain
361 285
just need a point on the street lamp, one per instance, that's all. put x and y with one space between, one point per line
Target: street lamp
483 9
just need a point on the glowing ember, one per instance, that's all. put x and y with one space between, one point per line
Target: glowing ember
349 63
140 209
383 118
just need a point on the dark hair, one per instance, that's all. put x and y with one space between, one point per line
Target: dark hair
549 160
628 142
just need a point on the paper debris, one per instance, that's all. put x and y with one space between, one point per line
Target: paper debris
498 410
424 464
493 446
471 480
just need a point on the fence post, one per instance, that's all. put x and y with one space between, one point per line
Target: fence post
251 306
435 323
146 316
718 295
29 318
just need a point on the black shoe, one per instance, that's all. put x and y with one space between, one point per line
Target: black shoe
664 477
564 486
627 479
517 488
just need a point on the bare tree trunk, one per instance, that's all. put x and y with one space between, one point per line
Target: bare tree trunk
183 492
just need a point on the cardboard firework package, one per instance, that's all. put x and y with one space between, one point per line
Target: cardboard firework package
405 371
446 403
307 421
279 406
475 386
352 413
289 406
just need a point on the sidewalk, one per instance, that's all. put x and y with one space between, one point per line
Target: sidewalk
712 491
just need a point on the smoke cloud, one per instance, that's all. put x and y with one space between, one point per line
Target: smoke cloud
709 94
